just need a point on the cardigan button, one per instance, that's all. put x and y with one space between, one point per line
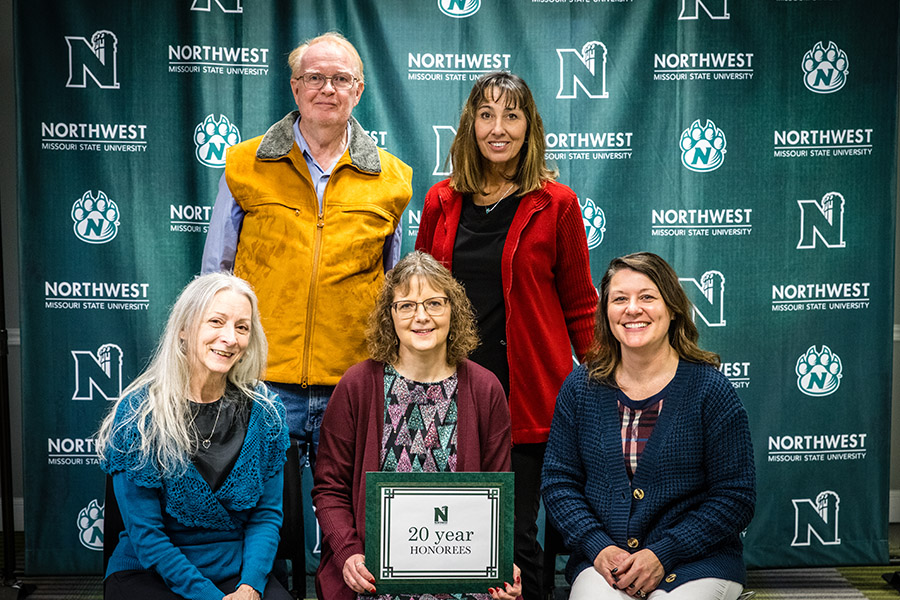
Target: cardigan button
633 543
638 494
296 213
670 578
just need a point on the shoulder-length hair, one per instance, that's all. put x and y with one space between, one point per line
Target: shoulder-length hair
468 163
162 420
606 353
384 345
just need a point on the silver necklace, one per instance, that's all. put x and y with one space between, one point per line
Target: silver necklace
488 209
206 442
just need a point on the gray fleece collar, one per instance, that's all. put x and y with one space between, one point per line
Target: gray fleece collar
279 140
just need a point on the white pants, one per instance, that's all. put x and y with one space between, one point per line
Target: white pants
590 585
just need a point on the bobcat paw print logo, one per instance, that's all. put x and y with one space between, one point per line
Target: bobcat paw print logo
594 223
212 138
819 372
96 218
90 526
702 147
825 68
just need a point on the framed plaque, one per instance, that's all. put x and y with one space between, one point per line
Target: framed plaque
439 532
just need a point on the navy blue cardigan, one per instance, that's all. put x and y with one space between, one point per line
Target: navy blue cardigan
693 491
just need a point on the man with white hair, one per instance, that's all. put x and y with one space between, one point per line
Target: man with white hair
309 214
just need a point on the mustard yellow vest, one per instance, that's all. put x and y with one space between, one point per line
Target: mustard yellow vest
316 274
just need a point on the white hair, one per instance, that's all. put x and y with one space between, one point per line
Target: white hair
162 419
332 37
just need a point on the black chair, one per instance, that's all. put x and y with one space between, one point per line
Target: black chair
291 547
112 523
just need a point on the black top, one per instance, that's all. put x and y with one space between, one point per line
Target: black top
226 436
477 254
644 404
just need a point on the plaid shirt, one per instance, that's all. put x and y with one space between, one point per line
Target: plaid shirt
638 419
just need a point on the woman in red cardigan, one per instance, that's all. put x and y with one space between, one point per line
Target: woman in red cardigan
515 239
385 415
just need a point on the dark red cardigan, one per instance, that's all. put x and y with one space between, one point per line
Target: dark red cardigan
350 446
550 299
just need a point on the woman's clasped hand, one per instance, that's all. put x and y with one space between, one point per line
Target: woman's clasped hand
634 574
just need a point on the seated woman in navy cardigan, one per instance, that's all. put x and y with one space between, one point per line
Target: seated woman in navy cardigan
649 470
385 413
196 449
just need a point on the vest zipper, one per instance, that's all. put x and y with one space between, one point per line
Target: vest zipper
311 301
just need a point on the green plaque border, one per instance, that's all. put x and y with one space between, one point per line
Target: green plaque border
500 484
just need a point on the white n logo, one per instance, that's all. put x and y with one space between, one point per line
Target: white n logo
459 9
819 519
96 58
707 297
102 373
443 138
690 9
206 5
585 70
824 221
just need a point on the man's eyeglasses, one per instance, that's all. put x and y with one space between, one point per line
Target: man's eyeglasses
435 307
316 81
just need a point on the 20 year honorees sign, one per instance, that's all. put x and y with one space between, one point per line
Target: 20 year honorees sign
439 532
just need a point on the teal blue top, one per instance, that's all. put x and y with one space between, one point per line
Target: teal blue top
183 530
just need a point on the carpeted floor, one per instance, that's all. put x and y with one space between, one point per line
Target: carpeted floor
842 583
822 584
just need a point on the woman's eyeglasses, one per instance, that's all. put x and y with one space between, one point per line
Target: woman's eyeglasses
433 306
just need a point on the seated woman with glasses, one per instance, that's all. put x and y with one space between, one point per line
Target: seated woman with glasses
420 333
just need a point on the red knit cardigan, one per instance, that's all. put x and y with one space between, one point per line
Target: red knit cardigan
549 297
350 446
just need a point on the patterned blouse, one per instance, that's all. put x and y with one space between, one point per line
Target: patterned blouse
419 437
638 418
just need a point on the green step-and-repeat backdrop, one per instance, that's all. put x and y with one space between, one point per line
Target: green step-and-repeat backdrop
752 143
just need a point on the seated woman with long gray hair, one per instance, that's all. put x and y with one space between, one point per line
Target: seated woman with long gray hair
196 449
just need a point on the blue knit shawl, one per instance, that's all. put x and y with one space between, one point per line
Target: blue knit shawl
188 498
